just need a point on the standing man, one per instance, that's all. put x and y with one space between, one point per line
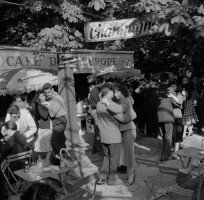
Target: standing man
165 116
94 99
110 139
57 111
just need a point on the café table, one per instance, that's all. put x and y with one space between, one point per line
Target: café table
40 175
190 152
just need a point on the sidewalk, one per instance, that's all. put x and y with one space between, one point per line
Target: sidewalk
139 190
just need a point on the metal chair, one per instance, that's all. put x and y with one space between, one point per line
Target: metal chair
20 156
151 180
173 188
58 181
11 183
24 156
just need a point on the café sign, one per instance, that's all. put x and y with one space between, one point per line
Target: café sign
117 29
92 61
14 59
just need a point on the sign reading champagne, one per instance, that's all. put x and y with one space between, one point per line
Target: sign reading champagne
117 29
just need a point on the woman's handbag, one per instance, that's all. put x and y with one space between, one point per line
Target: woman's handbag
67 160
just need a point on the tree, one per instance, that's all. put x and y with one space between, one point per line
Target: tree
43 24
180 22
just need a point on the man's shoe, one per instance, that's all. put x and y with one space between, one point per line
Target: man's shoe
122 169
101 182
164 159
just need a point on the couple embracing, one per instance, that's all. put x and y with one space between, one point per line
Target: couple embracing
52 111
115 121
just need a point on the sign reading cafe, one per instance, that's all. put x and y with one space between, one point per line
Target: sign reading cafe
117 29
14 59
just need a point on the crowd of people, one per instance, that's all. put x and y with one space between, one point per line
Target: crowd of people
164 107
41 133
171 110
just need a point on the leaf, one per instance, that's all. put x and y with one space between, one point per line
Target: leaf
162 27
141 9
178 19
157 7
184 3
147 9
103 4
168 30
201 10
97 5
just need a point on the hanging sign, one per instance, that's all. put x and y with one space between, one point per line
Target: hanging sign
14 59
91 61
117 29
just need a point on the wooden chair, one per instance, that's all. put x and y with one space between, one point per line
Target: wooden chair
11 183
173 189
151 180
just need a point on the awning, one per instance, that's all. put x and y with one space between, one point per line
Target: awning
115 73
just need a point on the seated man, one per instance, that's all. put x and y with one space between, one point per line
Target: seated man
13 141
193 178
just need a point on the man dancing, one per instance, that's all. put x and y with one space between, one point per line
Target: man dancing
110 139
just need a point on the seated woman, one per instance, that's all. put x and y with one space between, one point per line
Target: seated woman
193 178
25 123
43 141
13 141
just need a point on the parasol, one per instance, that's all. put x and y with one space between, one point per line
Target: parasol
18 81
115 73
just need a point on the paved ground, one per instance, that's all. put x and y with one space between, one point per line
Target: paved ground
147 148
137 191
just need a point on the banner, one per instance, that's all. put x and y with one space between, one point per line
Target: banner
117 29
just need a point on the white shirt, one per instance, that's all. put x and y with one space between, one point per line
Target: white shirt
25 124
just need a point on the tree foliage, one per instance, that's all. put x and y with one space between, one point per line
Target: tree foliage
43 24
180 23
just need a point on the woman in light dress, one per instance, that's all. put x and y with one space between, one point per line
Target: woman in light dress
43 141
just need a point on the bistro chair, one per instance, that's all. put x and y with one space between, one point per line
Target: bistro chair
151 180
17 160
58 181
11 184
174 191
26 155
78 195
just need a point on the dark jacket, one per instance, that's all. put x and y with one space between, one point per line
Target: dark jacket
15 144
44 122
94 97
164 106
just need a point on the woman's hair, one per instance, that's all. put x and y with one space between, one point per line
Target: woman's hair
178 89
123 89
39 191
24 97
13 109
10 125
37 94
